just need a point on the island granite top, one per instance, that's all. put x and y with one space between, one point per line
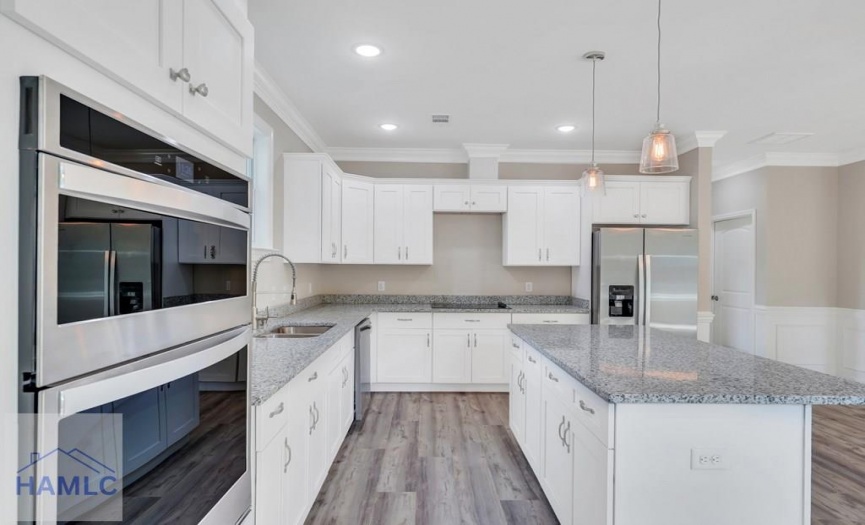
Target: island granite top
630 364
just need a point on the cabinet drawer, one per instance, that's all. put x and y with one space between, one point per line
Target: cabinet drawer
594 413
405 320
484 321
557 381
533 362
516 348
271 416
552 318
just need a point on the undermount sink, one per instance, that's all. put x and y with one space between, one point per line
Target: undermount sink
297 332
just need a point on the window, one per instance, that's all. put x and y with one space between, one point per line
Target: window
261 172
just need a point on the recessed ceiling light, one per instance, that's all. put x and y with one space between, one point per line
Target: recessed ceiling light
367 50
388 127
566 128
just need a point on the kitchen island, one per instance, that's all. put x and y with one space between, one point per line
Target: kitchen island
628 426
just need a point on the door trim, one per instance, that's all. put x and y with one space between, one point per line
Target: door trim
748 213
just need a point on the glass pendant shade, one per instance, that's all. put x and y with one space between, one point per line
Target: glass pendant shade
659 152
593 179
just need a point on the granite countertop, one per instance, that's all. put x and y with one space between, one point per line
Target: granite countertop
628 364
276 361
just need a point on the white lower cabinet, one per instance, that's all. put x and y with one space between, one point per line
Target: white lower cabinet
404 356
563 430
452 356
298 433
488 362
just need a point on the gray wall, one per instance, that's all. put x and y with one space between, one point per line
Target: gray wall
851 236
797 231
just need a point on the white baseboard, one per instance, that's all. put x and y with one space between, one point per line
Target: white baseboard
437 387
828 340
704 326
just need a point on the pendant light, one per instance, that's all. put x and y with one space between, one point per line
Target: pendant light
593 177
659 147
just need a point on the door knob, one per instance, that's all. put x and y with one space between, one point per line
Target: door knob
716 298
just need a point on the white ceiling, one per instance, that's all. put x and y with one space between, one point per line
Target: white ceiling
508 72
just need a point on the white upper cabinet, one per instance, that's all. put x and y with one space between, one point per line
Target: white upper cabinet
218 53
357 221
542 226
331 216
140 43
476 198
403 229
643 200
302 203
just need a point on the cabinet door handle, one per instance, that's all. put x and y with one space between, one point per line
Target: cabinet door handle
476 340
565 437
562 426
200 89
345 251
213 251
406 253
532 359
428 337
585 408
539 255
548 254
552 377
515 345
311 420
317 413
399 253
182 74
469 340
288 450
313 377
278 410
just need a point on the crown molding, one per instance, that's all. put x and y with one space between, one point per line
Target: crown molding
788 159
460 156
564 156
738 167
851 156
269 92
433 155
485 150
698 139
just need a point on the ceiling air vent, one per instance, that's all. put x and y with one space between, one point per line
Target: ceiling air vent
776 139
441 119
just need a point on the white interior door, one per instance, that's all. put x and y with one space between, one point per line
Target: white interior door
733 262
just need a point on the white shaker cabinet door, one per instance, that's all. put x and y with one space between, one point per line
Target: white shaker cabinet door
331 216
558 463
418 224
593 479
489 356
517 403
136 43
404 356
619 205
665 203
218 52
357 222
452 356
523 226
561 226
387 224
488 198
452 198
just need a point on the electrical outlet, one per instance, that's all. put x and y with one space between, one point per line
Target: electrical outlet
528 287
381 286
709 459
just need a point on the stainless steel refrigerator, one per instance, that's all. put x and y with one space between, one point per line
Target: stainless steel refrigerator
645 277
106 269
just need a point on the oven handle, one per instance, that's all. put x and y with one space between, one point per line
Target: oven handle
138 376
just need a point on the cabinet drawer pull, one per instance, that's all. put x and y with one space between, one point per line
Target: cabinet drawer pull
313 377
403 319
552 377
200 89
278 410
532 359
182 74
550 321
586 408
473 320
515 345
288 450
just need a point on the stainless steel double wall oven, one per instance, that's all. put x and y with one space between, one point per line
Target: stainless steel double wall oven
133 280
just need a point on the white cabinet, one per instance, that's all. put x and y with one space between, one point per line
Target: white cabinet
542 226
403 227
643 200
489 362
476 198
340 398
357 221
301 207
517 394
331 216
317 453
140 43
558 462
532 375
452 356
593 479
202 243
404 356
268 482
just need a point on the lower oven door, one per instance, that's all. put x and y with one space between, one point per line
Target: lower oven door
148 442
128 267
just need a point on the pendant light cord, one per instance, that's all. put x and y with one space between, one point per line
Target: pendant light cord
594 64
658 113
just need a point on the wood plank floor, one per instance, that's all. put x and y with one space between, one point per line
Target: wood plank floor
432 459
838 466
442 459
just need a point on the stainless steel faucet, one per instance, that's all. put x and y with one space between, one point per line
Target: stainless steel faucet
261 320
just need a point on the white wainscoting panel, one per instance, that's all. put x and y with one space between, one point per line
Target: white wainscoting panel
806 337
851 344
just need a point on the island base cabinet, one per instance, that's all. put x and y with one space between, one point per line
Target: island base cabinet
557 465
517 403
532 385
281 480
593 479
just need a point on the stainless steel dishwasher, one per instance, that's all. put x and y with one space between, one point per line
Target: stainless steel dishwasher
362 334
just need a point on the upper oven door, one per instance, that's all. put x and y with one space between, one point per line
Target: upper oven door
128 267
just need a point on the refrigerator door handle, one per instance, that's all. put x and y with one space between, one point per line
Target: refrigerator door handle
112 283
106 286
648 300
641 295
